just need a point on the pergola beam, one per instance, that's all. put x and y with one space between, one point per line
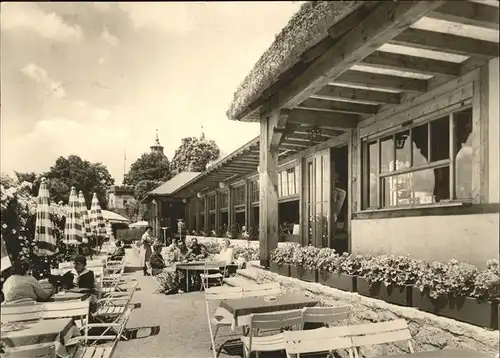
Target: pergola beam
381 81
457 45
467 13
411 64
339 106
340 121
387 20
359 95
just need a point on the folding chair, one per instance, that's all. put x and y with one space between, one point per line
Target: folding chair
316 341
326 315
25 311
274 321
221 317
371 334
212 272
42 350
74 309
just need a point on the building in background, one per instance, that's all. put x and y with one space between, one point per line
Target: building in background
119 196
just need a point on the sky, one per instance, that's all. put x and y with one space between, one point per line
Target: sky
98 79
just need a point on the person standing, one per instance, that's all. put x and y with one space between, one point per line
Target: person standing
147 241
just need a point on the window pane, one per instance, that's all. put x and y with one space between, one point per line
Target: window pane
387 155
403 149
440 139
372 164
421 187
463 154
420 139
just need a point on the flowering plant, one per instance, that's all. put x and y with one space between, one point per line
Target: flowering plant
283 254
350 264
487 282
390 270
328 260
248 253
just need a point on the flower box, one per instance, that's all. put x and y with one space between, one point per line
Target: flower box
337 280
466 309
280 269
303 274
399 295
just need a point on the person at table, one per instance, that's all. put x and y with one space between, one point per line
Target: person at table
22 286
118 253
183 252
83 277
147 241
156 260
197 251
226 254
170 279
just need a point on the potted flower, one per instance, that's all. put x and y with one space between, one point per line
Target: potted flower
459 291
305 263
487 288
389 278
281 259
329 271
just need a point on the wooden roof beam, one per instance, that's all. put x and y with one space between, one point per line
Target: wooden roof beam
326 132
380 81
387 20
467 13
340 121
359 95
458 45
411 64
297 143
339 106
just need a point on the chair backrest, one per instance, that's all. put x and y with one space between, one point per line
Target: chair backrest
316 340
74 308
211 266
42 350
21 312
379 333
326 315
276 320
265 289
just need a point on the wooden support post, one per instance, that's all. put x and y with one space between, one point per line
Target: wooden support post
197 214
205 226
217 211
301 188
230 208
248 204
268 176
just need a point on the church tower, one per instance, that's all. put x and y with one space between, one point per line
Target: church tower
157 147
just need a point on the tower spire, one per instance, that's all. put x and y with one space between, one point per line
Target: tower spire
202 136
157 147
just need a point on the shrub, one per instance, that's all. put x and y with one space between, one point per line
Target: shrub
283 254
129 235
487 282
390 270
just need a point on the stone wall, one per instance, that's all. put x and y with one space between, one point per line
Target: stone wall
429 332
234 242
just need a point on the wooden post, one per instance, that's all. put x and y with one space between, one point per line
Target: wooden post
217 211
301 188
268 176
205 226
230 208
248 204
197 213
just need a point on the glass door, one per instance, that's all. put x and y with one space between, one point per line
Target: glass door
317 197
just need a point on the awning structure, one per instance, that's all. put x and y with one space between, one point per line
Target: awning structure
338 63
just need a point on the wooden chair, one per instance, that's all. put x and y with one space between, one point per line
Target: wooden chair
316 341
221 317
26 311
379 333
42 350
76 309
274 321
326 315
211 272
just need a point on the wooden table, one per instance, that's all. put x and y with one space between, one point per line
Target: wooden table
446 353
196 266
244 306
43 331
68 296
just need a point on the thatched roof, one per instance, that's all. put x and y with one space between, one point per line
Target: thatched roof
304 30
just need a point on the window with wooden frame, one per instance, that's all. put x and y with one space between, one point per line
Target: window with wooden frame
425 163
254 192
224 200
239 195
211 202
287 183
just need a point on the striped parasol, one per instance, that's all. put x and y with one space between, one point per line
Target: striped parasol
5 259
46 243
97 224
73 226
109 230
86 230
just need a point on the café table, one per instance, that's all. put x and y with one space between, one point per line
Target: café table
69 296
43 331
196 266
240 307
446 353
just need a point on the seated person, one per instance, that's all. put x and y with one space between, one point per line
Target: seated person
226 255
156 260
182 254
22 286
197 251
118 253
174 245
83 278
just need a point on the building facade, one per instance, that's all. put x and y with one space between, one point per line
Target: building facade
119 196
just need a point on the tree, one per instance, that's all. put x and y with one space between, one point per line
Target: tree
150 166
194 154
144 187
135 211
30 177
82 174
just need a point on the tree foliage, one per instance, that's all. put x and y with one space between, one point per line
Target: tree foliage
150 166
194 154
145 186
82 174
135 211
